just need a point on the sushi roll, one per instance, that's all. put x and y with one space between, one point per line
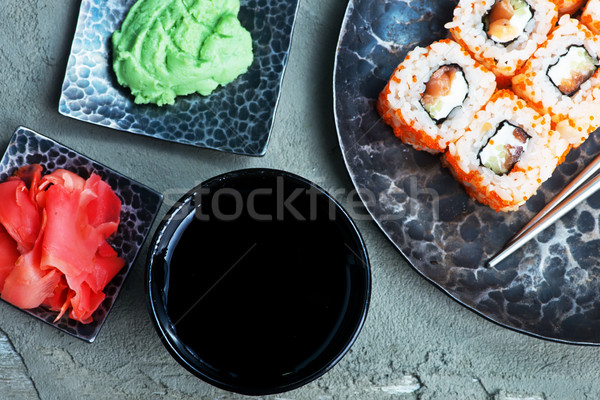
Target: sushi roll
568 6
502 34
590 16
562 80
433 94
506 153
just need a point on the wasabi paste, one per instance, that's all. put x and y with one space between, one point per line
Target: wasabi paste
169 48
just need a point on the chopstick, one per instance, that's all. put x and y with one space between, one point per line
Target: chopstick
583 176
573 194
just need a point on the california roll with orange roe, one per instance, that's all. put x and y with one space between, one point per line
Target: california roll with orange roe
568 6
590 16
506 153
433 94
506 98
562 80
502 34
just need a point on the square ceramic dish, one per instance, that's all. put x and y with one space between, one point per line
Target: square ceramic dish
140 205
236 118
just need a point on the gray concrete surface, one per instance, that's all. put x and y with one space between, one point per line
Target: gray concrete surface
416 344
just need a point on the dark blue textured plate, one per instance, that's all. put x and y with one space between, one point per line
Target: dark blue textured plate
140 205
236 118
551 287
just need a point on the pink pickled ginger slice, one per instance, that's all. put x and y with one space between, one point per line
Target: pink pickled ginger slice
27 285
8 255
53 241
19 214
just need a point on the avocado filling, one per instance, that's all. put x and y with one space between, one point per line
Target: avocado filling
504 149
572 69
506 20
446 90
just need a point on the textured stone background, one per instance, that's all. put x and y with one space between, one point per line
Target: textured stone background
416 344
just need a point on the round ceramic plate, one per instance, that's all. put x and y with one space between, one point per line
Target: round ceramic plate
236 118
551 287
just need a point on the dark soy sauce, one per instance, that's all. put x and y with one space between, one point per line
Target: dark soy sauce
257 288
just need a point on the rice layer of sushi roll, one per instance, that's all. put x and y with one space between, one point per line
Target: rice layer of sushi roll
562 80
502 34
433 94
506 153
590 16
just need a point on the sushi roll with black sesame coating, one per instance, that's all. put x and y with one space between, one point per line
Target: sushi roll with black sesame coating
506 153
502 34
433 94
562 79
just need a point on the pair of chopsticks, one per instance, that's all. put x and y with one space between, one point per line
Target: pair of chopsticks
574 193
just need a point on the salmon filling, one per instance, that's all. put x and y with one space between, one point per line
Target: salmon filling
504 148
445 91
507 20
572 69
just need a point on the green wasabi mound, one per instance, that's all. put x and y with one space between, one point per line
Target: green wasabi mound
169 48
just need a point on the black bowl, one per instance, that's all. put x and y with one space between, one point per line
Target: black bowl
258 281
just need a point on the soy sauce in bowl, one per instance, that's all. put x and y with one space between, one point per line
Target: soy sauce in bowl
258 281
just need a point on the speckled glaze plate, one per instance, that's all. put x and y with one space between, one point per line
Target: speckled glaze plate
551 287
140 205
236 118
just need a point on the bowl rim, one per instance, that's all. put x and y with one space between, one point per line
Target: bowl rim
154 305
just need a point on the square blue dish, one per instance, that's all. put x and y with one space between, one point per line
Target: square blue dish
236 118
140 206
